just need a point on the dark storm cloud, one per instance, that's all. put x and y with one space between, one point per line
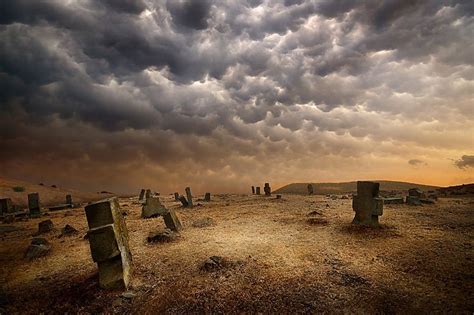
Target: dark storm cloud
256 79
465 161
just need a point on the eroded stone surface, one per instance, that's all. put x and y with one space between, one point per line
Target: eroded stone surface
153 208
367 204
172 221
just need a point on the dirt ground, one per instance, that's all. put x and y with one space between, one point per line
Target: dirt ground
280 260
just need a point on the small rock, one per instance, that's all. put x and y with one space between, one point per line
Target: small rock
45 227
313 213
69 230
129 295
278 196
163 236
39 247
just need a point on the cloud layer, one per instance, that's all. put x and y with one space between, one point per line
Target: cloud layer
225 94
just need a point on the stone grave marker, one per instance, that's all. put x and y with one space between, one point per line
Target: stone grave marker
34 205
310 189
267 189
207 197
257 190
367 204
189 196
153 208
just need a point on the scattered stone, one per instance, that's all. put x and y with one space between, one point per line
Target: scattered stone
183 200
344 197
367 204
108 238
68 230
6 206
153 208
129 295
312 213
45 227
317 221
163 236
415 192
176 196
207 197
204 222
334 197
310 189
189 196
393 201
267 189
34 205
257 190
413 201
39 247
253 190
278 196
213 263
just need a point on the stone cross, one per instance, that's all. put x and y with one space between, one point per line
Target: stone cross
207 197
34 205
189 196
257 190
310 189
267 189
367 204
108 238
253 190
153 208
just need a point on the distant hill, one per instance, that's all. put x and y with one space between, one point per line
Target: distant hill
18 192
347 187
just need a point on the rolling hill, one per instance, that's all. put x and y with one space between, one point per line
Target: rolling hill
347 187
18 192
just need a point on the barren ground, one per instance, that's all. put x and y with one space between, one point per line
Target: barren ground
282 261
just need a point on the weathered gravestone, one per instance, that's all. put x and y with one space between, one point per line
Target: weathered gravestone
207 197
147 194
34 205
6 206
153 208
45 227
189 196
176 196
171 221
183 200
267 189
253 190
39 247
310 189
278 196
141 197
108 238
367 204
69 200
257 190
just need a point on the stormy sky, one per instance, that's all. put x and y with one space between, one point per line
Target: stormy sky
221 95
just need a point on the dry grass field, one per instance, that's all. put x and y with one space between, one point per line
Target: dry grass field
299 254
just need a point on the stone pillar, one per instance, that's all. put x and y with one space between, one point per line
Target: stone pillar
257 190
6 206
141 197
267 189
34 205
207 197
176 196
189 196
153 208
108 238
147 194
310 189
183 200
69 200
253 190
367 204
171 221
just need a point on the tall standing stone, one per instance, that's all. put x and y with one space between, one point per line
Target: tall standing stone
367 204
189 196
310 189
171 221
176 196
183 200
257 190
69 200
267 189
6 206
147 194
141 197
108 238
253 190
34 205
207 197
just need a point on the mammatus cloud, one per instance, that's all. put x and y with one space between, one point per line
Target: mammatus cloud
222 94
465 161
